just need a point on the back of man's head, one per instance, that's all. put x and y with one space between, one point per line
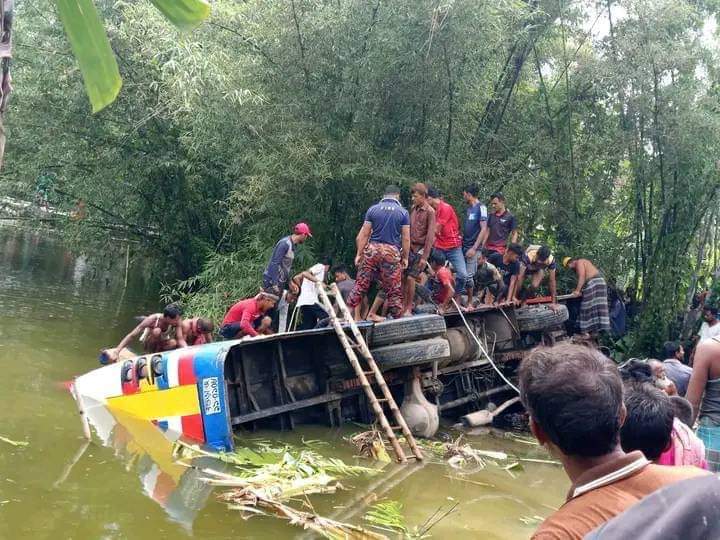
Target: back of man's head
392 190
574 395
433 192
437 257
543 253
670 349
649 420
515 248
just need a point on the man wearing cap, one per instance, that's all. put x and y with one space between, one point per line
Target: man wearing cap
383 246
244 317
277 273
594 315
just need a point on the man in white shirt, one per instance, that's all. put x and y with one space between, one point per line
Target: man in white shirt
710 328
310 309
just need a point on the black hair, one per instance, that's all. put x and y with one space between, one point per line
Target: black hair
543 253
711 308
433 192
172 311
636 370
498 195
649 420
516 249
472 189
340 268
437 257
485 252
574 394
670 348
326 260
391 189
683 409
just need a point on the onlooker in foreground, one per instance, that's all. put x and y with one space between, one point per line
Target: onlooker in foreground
710 327
574 397
474 234
311 311
508 264
422 237
534 263
247 317
594 314
675 367
685 510
197 331
447 237
383 245
277 273
502 226
157 332
704 396
440 282
649 421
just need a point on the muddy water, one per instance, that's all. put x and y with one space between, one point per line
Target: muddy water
57 311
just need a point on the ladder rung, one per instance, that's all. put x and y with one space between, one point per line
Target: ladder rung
396 428
369 372
382 400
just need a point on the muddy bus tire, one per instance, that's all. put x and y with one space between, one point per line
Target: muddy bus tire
411 354
535 318
407 329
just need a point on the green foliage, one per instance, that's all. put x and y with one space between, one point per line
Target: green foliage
90 45
276 112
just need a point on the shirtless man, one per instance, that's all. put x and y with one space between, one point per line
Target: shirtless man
704 396
155 333
197 331
594 313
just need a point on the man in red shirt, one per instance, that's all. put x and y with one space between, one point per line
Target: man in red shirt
447 237
441 282
240 320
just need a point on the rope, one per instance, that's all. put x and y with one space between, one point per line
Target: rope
482 349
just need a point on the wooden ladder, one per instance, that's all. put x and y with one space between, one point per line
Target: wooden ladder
376 402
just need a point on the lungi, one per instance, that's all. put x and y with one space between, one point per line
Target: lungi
594 314
709 434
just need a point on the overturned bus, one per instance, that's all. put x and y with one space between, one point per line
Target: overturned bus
436 365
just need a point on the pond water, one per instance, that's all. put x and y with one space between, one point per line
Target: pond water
58 310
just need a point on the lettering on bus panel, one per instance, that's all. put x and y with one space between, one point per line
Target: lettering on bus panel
211 395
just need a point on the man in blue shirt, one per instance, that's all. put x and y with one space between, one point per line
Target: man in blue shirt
475 232
675 368
383 245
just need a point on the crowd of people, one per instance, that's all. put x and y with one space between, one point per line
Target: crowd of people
420 260
620 437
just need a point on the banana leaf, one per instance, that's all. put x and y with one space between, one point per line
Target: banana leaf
185 14
91 47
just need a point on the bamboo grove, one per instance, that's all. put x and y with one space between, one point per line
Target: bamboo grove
599 120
